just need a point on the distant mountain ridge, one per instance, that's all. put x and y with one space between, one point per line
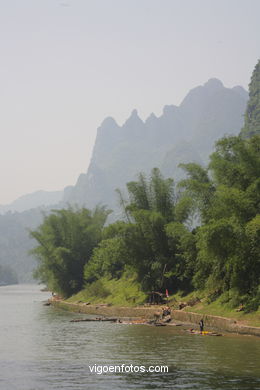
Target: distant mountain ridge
33 200
181 134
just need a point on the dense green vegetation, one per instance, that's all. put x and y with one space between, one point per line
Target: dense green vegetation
252 116
151 241
228 257
66 240
202 234
181 134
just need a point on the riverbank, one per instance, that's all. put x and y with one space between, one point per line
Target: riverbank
147 312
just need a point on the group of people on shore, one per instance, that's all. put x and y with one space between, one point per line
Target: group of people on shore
166 317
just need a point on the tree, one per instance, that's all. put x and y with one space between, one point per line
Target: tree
229 206
108 259
252 115
143 238
236 162
182 242
198 189
66 241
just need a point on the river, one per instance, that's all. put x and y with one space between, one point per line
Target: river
40 349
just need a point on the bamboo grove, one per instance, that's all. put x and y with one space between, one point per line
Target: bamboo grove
202 233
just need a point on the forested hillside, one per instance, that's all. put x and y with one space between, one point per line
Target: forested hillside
181 134
252 115
156 244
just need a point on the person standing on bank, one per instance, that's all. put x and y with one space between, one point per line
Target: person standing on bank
201 324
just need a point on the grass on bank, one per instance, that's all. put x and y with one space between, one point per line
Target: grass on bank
121 292
126 292
215 308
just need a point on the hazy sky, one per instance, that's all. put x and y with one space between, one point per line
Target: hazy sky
67 64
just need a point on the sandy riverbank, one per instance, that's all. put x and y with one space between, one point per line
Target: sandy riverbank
147 312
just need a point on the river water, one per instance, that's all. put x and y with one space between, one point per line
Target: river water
40 349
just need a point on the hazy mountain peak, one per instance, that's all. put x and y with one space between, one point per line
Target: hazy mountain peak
214 84
134 119
151 118
109 122
169 109
241 91
207 112
181 134
134 114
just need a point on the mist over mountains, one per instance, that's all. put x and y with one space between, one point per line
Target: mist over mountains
15 243
181 134
33 200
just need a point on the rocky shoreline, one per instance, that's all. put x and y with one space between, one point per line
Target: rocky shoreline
147 312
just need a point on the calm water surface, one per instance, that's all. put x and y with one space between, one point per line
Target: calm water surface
40 349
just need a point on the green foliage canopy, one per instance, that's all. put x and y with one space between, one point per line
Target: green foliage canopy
66 240
227 241
143 242
252 116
